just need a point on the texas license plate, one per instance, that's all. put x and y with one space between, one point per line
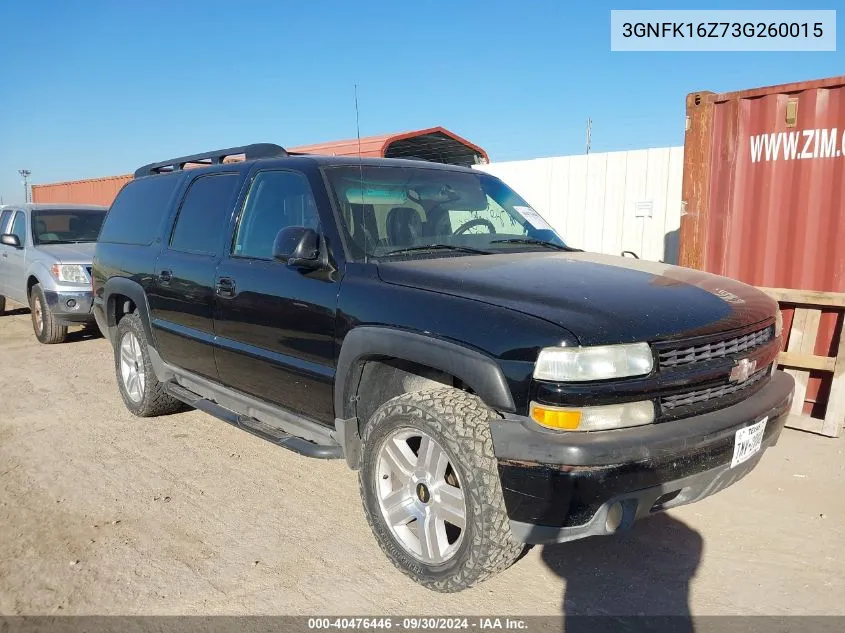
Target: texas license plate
748 441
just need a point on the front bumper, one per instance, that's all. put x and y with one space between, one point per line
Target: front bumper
561 486
70 307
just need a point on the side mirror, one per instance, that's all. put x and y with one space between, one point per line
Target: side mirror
10 239
298 246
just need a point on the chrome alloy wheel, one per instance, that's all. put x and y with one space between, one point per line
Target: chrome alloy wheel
132 366
420 496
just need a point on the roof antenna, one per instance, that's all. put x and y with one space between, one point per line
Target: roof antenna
360 171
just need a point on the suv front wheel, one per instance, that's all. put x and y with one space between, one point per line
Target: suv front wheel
431 492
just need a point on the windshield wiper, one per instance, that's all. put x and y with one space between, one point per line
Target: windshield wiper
529 240
435 247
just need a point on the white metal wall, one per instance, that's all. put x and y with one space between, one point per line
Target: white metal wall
606 202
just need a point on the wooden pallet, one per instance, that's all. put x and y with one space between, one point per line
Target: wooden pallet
800 359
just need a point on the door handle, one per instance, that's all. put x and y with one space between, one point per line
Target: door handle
225 287
165 277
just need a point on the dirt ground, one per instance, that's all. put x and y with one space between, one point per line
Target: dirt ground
104 513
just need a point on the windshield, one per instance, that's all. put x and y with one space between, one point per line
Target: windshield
393 211
66 226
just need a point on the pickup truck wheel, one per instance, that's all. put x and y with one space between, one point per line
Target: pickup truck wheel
430 486
2 304
142 393
43 322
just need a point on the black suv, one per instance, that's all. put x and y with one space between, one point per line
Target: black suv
494 386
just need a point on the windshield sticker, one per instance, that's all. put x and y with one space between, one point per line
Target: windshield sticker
534 218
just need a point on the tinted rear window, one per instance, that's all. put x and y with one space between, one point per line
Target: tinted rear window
136 214
204 213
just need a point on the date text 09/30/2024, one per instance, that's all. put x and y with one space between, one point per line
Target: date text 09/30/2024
417 623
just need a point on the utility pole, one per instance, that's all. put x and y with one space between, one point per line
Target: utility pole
589 133
25 173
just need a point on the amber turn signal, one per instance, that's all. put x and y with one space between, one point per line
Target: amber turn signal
597 418
566 420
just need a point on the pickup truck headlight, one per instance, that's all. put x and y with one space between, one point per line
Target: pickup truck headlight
70 273
599 418
579 364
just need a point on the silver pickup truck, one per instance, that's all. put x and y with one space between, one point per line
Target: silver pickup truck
45 263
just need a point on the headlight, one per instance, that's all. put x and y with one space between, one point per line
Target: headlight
70 273
577 364
778 323
601 418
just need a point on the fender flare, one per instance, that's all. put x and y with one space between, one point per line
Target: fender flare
39 270
133 290
480 372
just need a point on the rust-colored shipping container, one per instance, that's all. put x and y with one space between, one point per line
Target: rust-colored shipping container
764 192
92 191
436 144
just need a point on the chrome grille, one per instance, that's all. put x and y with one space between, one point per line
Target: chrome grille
697 396
715 349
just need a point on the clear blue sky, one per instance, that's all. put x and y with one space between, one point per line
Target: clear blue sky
99 87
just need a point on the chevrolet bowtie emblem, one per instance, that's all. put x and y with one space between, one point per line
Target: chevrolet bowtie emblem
742 370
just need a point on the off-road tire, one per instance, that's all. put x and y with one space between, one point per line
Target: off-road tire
459 422
50 331
156 400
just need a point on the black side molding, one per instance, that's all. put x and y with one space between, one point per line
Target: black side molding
481 373
256 427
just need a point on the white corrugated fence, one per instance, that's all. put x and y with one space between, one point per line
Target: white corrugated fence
606 202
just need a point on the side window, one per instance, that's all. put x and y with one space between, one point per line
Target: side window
19 226
277 199
4 218
204 213
136 215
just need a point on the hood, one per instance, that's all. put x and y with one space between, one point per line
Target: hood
601 299
69 253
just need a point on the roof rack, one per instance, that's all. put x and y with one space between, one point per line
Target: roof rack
215 157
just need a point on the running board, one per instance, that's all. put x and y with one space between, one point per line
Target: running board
256 427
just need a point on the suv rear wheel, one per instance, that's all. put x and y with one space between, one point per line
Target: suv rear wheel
47 330
142 393
431 492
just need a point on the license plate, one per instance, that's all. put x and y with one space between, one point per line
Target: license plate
748 441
